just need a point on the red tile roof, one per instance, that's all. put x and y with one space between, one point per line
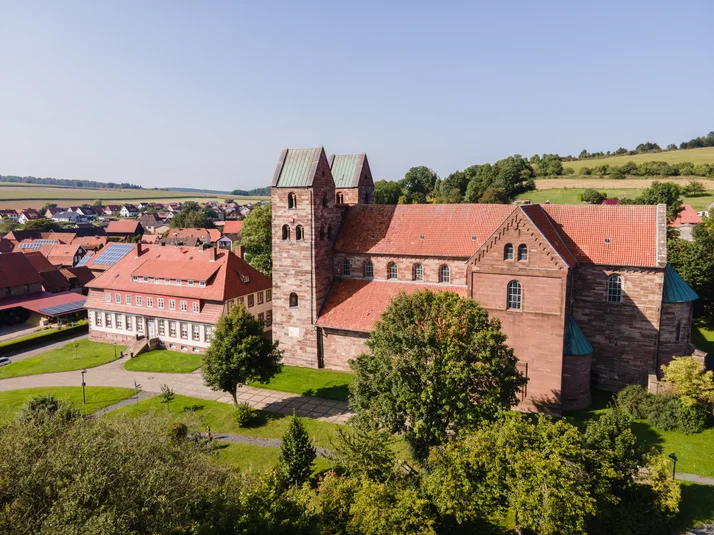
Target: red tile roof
17 270
232 276
202 234
687 216
448 230
622 235
545 225
355 305
54 281
42 300
6 246
83 274
232 227
90 243
123 226
39 261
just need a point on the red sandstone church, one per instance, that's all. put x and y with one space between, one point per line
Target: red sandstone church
584 293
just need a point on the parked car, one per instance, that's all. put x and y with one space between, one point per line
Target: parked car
4 360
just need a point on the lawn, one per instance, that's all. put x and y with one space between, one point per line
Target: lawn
38 334
259 458
310 382
696 507
695 452
98 397
703 155
66 358
703 338
570 196
164 361
219 417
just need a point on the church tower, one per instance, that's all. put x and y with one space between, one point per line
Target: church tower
305 223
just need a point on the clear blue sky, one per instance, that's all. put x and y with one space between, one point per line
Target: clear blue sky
206 93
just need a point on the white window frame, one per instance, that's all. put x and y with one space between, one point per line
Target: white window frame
195 307
172 304
127 299
160 302
184 306
139 301
150 302
117 298
107 297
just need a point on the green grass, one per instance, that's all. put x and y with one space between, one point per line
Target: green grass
570 196
310 382
258 458
98 397
695 452
164 361
696 507
703 338
219 417
38 334
88 355
703 155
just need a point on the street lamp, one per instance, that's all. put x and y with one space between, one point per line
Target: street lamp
673 456
84 397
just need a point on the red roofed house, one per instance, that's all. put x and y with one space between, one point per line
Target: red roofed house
611 202
687 218
231 234
124 228
581 291
173 294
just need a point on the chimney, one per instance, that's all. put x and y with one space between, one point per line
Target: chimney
212 254
138 249
240 251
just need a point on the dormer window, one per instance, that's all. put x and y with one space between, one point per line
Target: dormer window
202 284
190 282
146 279
167 281
292 200
135 278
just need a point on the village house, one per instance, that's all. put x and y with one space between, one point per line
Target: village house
28 214
685 222
582 292
174 295
124 228
129 210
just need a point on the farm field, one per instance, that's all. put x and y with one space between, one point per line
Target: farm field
35 196
703 155
570 196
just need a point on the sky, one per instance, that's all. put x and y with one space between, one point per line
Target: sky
206 94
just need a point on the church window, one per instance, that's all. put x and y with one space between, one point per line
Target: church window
369 269
346 268
293 300
515 292
614 289
324 200
392 270
418 272
299 233
508 252
286 232
678 331
522 252
292 200
444 274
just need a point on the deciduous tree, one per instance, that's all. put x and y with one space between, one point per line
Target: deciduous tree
256 237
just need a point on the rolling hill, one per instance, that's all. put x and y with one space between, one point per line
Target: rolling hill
703 155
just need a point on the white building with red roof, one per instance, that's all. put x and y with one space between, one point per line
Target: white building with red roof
685 222
172 294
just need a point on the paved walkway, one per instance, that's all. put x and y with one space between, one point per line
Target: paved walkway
696 479
23 354
187 384
136 398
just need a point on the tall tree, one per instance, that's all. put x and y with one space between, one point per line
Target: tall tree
663 193
387 192
239 353
418 184
40 224
256 239
296 453
438 363
191 216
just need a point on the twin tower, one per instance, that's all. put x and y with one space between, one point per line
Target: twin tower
310 195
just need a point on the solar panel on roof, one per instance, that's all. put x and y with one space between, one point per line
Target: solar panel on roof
111 255
85 259
63 309
37 244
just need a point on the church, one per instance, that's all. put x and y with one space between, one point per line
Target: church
583 292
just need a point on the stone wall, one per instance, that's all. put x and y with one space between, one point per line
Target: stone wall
672 315
576 382
339 346
405 267
624 335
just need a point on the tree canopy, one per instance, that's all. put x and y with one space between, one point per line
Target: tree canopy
192 216
239 353
438 363
256 237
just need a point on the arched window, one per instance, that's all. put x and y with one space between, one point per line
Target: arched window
418 272
286 232
515 293
678 331
391 270
329 232
522 252
369 269
614 289
324 200
293 300
322 233
299 233
346 268
508 252
340 198
366 197
444 274
292 200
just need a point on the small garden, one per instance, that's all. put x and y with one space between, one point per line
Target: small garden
72 356
164 361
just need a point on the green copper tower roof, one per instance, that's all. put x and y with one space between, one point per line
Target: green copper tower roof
575 341
296 168
675 289
346 169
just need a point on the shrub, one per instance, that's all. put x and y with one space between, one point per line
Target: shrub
617 174
690 380
665 412
167 395
592 196
634 400
243 414
296 454
178 430
692 418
